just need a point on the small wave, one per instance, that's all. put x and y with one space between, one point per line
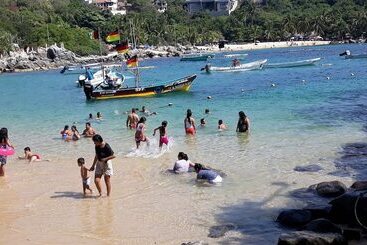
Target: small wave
152 150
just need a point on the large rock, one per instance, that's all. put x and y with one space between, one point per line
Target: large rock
343 209
322 226
330 189
311 238
294 218
359 185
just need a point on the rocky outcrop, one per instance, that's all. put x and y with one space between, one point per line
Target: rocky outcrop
309 237
294 218
330 189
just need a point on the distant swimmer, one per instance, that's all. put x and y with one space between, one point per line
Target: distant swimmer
183 164
207 111
84 174
30 156
146 112
163 138
140 133
202 122
99 116
243 124
88 131
132 119
221 125
189 123
205 174
90 116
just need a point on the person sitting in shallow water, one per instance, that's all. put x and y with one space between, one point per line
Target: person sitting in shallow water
183 164
206 174
31 157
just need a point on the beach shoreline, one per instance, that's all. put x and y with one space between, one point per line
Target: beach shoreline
37 60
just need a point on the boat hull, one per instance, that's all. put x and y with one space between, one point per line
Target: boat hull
357 56
256 65
197 58
183 84
292 64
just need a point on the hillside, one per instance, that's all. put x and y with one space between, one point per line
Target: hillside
37 22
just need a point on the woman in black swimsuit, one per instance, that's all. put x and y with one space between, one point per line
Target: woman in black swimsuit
243 124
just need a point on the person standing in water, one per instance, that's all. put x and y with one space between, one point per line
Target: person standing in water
102 163
132 119
221 125
88 131
189 123
139 134
4 143
243 124
163 138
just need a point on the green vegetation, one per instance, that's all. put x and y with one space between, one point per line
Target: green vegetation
40 22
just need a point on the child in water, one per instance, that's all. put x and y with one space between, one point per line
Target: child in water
28 155
163 138
221 125
84 175
202 122
139 134
99 116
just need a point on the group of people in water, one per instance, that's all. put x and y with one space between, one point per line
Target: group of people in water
102 163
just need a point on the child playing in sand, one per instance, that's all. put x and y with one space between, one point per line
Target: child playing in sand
163 138
84 175
28 155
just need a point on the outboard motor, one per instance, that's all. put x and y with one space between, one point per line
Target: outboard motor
88 89
64 69
81 80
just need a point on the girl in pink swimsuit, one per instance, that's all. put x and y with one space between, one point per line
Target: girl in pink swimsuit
163 138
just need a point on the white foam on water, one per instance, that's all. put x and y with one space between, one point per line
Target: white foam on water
152 150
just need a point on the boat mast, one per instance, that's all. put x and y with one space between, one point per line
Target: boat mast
133 38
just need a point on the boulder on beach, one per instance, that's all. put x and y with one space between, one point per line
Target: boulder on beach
343 208
330 188
322 226
359 185
311 238
294 218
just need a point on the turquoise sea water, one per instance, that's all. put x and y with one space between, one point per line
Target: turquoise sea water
306 118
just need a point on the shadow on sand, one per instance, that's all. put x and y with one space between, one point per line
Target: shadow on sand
71 194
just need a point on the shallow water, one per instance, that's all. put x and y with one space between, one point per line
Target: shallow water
305 119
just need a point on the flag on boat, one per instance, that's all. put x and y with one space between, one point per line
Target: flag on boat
122 48
132 62
94 35
113 37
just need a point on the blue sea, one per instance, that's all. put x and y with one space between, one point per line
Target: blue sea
306 118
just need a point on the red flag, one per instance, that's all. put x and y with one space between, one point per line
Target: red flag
122 48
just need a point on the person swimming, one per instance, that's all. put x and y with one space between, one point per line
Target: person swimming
202 122
189 123
28 155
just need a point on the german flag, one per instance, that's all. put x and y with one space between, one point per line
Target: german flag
122 48
113 37
132 62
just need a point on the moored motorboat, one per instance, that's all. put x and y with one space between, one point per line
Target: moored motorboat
103 78
196 57
292 63
183 84
235 68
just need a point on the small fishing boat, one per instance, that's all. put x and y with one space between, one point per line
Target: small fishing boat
104 78
292 63
235 68
196 57
235 55
356 56
183 84
77 69
349 55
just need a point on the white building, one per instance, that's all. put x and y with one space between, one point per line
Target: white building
115 6
214 7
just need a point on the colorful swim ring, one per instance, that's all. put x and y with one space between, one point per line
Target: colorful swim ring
7 151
